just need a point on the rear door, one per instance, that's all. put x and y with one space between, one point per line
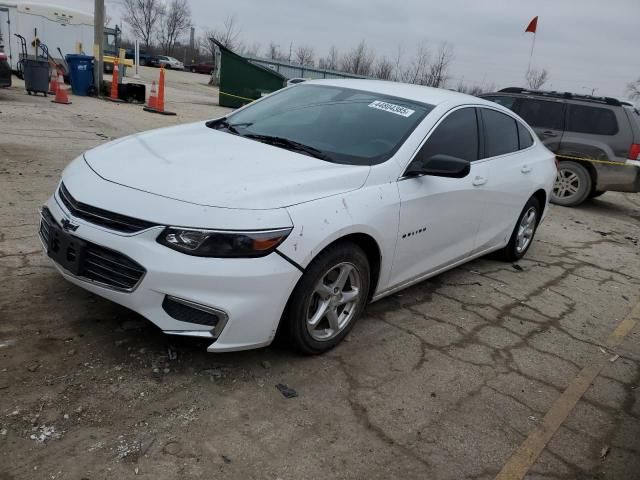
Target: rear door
546 117
505 152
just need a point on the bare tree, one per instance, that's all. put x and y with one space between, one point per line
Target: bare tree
468 89
252 50
273 51
229 34
384 69
358 61
142 16
438 69
175 21
633 90
206 45
417 71
536 78
330 62
304 55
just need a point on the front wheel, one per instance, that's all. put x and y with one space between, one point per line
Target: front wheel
329 299
572 186
523 233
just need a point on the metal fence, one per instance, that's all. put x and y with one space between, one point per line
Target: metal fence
299 71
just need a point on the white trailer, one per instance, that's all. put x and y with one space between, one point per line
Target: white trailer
57 27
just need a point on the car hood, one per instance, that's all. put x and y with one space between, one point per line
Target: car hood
196 164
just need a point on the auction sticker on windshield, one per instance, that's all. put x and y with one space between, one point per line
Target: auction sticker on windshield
390 107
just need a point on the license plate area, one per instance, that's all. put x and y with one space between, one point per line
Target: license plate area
65 249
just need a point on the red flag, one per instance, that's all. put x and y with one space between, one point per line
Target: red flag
533 25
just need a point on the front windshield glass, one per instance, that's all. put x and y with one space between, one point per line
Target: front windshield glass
344 125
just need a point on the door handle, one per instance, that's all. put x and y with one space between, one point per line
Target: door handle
525 169
549 134
479 181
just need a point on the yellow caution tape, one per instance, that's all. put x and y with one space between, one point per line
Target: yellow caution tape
604 162
237 96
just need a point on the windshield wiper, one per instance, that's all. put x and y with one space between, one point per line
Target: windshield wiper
224 123
289 145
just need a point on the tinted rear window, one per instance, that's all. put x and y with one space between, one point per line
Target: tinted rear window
594 120
524 136
500 133
502 100
541 113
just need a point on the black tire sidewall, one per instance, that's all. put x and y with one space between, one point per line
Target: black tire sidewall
295 313
585 184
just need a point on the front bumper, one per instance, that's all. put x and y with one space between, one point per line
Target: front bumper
249 293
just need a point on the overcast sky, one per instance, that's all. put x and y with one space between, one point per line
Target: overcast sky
584 44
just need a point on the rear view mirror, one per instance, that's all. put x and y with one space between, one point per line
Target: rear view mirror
439 166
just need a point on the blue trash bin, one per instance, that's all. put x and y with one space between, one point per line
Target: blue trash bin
81 73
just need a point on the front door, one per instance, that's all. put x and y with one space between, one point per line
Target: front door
439 216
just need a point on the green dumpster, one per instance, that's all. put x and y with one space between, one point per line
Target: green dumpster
241 81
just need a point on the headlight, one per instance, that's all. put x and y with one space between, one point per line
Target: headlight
222 244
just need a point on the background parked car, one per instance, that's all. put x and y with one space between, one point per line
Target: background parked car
144 56
596 139
202 67
5 71
170 62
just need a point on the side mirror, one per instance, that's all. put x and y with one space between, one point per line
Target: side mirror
439 165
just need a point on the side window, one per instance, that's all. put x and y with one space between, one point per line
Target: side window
501 100
542 113
500 133
457 136
598 121
524 136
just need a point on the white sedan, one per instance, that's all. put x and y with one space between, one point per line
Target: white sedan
289 215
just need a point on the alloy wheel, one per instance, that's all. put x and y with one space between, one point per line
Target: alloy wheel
333 302
567 184
526 229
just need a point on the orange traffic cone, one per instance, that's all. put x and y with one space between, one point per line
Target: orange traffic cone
152 96
114 83
159 101
61 92
53 83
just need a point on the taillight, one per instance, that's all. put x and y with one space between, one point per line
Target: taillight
3 56
634 151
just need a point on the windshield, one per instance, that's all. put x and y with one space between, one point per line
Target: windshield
344 125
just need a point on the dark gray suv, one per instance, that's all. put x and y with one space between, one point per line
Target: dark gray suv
596 140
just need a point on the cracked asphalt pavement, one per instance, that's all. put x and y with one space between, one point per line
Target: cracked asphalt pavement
445 380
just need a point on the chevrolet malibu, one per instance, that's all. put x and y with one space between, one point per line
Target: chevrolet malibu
289 215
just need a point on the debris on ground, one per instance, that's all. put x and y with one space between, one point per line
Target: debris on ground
172 353
266 364
44 433
225 459
614 358
517 267
604 452
286 391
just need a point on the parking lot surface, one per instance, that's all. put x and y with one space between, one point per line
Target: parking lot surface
450 379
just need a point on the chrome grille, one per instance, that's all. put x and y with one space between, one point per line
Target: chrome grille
98 216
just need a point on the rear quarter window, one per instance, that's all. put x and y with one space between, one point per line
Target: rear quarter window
593 120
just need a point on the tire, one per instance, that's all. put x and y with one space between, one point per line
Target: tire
319 291
572 186
596 193
517 247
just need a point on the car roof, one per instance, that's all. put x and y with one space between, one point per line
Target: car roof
419 93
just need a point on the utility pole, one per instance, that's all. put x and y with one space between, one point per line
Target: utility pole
98 42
